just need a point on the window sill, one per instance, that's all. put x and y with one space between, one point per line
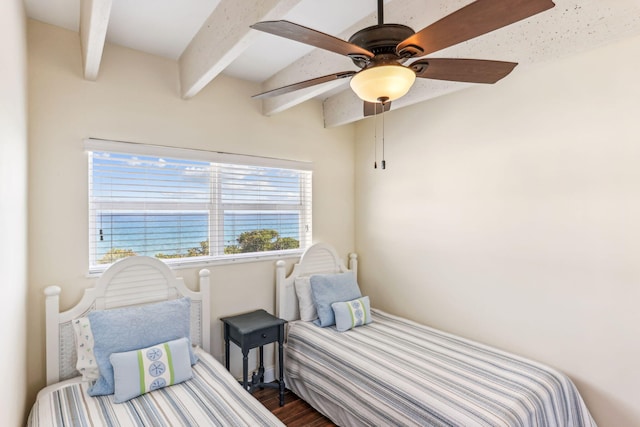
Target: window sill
200 263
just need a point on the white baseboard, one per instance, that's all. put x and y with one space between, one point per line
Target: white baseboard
269 374
269 371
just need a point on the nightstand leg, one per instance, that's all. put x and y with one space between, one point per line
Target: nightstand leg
261 368
281 364
226 346
245 368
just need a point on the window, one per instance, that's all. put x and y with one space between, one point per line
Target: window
184 205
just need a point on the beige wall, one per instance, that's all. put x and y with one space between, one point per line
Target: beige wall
13 213
507 214
135 98
510 214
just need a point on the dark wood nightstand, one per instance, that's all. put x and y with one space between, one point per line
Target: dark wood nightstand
251 330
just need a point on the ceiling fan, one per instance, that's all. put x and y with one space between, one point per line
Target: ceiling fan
380 50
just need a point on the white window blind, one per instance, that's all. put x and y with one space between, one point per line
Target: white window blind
184 205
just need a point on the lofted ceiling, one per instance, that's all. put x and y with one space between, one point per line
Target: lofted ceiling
210 37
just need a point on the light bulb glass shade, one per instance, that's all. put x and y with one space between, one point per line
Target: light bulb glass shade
384 81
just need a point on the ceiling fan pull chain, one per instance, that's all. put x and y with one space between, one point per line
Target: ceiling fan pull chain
375 138
383 163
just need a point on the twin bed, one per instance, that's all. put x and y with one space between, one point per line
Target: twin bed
212 397
394 372
389 372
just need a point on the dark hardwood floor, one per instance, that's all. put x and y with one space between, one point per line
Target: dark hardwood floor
295 412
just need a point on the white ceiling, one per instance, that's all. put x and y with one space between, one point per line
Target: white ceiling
170 28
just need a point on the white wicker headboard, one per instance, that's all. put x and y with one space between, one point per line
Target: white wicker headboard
134 280
320 258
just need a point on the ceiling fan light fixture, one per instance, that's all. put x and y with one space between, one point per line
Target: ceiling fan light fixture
390 81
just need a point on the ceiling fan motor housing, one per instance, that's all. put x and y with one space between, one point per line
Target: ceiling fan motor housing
381 40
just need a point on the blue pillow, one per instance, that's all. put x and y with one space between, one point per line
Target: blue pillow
131 328
329 288
353 313
140 371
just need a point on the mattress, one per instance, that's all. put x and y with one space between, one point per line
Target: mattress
211 398
394 372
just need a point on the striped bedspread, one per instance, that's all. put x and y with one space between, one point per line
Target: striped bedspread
211 398
394 372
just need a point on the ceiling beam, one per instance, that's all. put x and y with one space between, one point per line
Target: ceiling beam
94 20
222 38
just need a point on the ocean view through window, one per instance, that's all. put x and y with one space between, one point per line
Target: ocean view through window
185 206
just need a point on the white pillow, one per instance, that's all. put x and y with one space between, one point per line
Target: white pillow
307 308
86 363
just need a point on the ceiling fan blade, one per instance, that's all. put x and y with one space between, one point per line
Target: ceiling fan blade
312 37
373 108
462 70
473 20
304 84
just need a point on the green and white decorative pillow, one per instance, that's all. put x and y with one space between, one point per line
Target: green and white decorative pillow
138 372
350 314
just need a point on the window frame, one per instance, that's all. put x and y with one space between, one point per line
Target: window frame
215 208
